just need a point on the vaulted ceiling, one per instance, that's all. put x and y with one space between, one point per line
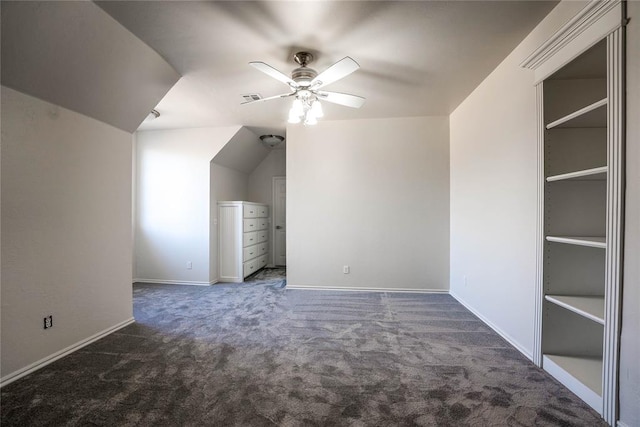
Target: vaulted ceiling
417 58
73 55
117 60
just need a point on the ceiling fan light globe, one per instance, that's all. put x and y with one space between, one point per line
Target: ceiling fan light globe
294 117
310 118
297 108
316 107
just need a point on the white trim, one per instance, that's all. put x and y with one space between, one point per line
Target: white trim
175 282
355 289
230 279
615 231
539 285
8 379
621 424
493 326
593 23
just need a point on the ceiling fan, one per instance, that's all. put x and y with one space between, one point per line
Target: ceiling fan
306 85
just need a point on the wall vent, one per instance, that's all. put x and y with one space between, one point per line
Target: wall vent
252 97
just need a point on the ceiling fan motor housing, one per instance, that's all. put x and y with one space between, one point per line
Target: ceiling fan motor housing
303 75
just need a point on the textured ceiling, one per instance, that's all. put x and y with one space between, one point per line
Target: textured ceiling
417 58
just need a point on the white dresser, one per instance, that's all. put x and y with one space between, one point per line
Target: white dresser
243 238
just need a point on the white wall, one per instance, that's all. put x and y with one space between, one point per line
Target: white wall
261 182
173 196
372 194
226 184
66 229
493 191
630 341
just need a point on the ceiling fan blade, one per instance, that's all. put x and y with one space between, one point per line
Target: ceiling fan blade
345 99
283 95
340 69
270 71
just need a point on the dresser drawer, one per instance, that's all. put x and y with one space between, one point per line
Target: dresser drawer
263 211
262 236
262 223
263 248
249 267
249 239
250 224
251 252
251 211
260 262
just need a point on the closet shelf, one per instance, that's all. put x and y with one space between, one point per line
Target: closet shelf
591 307
594 242
582 375
595 174
594 115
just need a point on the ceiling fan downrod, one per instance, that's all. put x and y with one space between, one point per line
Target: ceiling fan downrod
303 75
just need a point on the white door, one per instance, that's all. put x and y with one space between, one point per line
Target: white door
280 220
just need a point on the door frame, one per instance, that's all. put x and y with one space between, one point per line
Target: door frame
273 217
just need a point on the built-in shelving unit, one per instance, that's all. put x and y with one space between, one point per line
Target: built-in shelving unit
591 116
594 242
576 175
583 375
593 174
578 74
591 307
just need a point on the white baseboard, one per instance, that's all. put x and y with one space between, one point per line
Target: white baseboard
8 379
621 424
500 332
354 289
174 282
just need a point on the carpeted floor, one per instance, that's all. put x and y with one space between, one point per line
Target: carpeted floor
258 354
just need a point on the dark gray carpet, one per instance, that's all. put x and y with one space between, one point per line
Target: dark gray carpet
257 354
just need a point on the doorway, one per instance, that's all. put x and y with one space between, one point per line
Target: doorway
279 223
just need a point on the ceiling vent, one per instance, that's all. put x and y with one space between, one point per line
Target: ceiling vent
252 97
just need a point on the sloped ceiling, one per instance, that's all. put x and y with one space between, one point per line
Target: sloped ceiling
417 58
243 152
75 55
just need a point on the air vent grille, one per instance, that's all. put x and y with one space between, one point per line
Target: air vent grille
251 97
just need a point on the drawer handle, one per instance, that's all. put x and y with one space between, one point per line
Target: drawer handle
250 253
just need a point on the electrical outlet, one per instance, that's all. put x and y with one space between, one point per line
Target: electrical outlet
189 265
48 322
346 269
